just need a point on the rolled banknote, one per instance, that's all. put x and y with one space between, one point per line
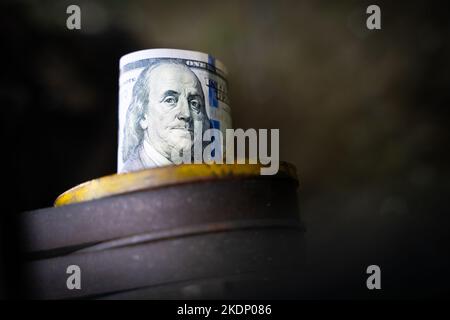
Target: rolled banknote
163 95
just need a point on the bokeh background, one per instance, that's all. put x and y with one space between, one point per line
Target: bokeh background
364 115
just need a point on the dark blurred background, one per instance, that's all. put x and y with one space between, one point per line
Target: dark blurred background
362 114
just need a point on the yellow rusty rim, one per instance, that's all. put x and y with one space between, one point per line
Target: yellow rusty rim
163 176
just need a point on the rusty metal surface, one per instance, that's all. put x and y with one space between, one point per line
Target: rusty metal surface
117 184
65 229
265 252
204 239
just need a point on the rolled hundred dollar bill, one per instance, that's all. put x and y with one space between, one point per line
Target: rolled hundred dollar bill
164 96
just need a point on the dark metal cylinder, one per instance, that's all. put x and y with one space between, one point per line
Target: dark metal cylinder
224 237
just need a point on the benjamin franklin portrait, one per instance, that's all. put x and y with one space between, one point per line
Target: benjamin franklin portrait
167 100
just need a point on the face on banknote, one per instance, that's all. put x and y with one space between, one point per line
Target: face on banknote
166 95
